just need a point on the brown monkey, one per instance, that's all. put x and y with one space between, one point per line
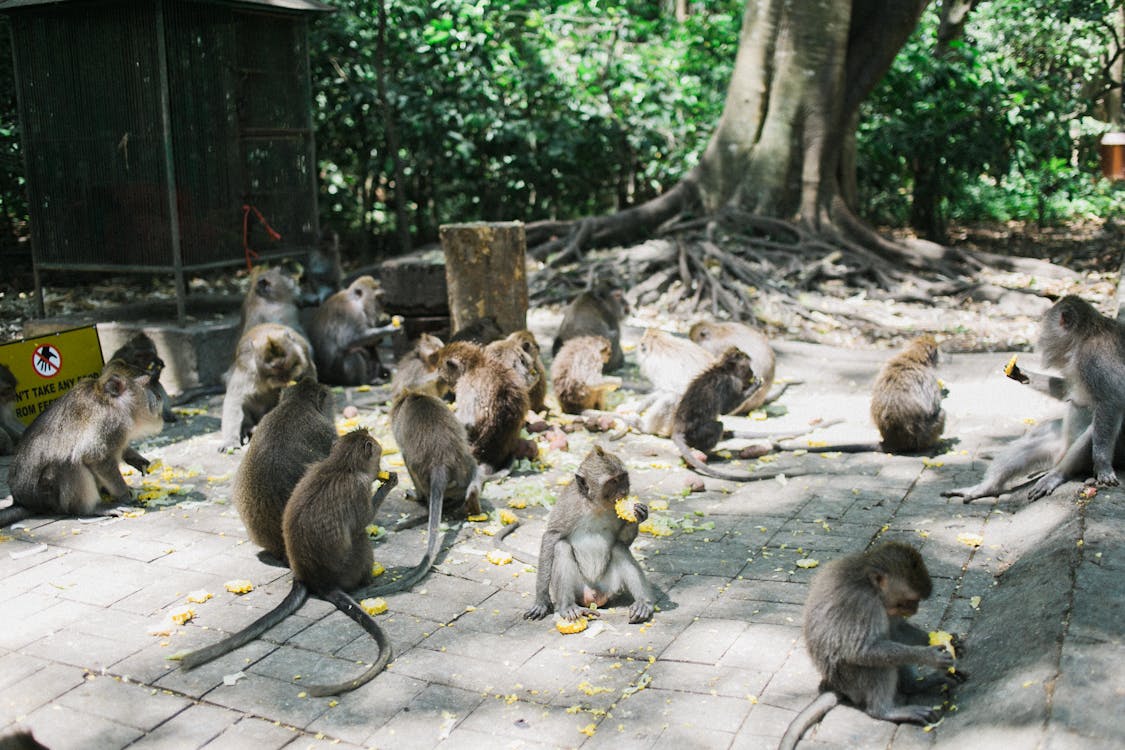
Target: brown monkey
584 558
345 333
481 331
299 431
325 530
323 273
271 298
716 336
537 393
268 356
576 374
76 446
513 355
598 311
857 635
11 428
490 401
436 452
416 371
905 404
140 352
21 739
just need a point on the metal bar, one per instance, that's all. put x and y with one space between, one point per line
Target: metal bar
36 246
170 167
287 252
294 133
306 76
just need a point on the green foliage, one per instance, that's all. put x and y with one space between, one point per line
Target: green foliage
516 109
1004 121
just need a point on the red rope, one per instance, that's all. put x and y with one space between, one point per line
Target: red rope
252 255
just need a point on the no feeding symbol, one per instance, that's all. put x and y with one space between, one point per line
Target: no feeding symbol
46 360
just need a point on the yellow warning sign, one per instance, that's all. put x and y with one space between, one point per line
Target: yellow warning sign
48 366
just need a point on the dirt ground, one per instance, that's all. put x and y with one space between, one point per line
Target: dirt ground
1000 312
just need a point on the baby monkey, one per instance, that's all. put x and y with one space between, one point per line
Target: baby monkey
857 636
584 558
325 530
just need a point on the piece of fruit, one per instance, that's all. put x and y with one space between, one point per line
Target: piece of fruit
567 627
376 606
626 508
499 557
239 586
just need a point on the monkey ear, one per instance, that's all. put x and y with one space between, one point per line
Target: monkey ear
114 385
878 578
598 450
583 487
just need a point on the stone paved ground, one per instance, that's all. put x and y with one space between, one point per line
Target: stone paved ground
721 665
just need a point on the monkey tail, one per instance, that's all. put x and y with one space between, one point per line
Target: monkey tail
812 713
841 448
346 604
503 534
438 481
702 468
13 514
297 596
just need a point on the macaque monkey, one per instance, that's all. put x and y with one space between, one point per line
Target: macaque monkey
325 530
481 331
11 428
515 357
271 298
857 635
1086 348
597 311
576 374
416 371
268 356
140 352
75 448
345 333
584 558
21 739
323 274
716 336
905 404
436 452
525 340
489 399
296 433
671 362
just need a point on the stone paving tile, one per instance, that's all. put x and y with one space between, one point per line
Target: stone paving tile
33 625
193 727
552 726
60 727
79 649
15 667
360 712
693 738
38 688
665 709
268 698
428 719
253 733
705 641
133 705
208 677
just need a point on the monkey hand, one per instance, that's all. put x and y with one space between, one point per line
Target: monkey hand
939 657
640 510
1107 477
1047 484
572 612
538 611
641 611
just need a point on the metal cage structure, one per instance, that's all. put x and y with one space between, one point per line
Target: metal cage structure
165 136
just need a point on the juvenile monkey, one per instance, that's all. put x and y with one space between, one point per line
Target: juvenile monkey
481 331
271 298
436 452
671 362
417 371
857 636
345 333
525 340
716 336
298 432
268 356
140 352
576 374
597 311
490 401
905 404
324 527
514 356
584 558
76 447
11 428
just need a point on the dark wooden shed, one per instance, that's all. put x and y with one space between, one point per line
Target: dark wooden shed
165 135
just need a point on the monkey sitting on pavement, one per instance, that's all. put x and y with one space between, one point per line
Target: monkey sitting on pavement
482 331
598 311
576 374
490 401
298 432
524 340
268 356
76 446
11 428
140 352
416 371
271 298
325 531
715 336
584 558
857 636
345 332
